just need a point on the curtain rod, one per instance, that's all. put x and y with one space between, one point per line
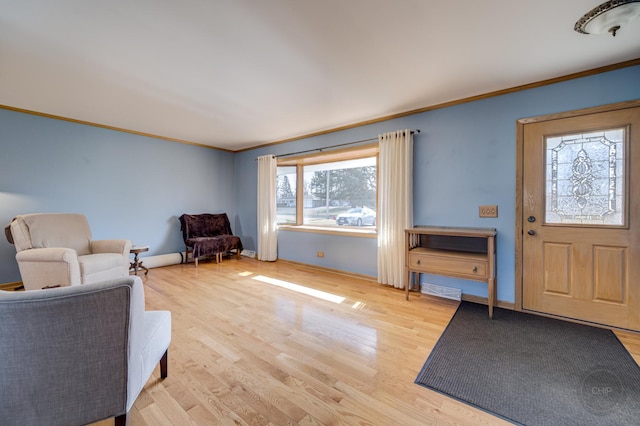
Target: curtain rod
335 146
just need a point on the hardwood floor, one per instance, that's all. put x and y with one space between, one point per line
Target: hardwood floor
258 343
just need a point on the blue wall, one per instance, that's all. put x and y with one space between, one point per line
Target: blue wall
135 187
464 157
128 186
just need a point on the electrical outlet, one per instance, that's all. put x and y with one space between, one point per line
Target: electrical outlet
488 211
320 254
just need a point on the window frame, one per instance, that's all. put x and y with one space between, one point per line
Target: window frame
346 154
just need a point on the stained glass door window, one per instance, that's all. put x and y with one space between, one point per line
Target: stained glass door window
586 178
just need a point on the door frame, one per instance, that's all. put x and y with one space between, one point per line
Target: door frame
520 124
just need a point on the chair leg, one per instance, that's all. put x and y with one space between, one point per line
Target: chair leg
186 256
122 420
164 365
238 253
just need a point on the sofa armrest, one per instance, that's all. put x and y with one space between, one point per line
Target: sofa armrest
50 254
111 246
42 267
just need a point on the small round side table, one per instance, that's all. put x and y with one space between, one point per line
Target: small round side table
136 250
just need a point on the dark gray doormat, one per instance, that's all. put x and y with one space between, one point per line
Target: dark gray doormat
533 370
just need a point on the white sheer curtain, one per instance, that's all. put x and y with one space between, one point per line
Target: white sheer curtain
267 220
395 204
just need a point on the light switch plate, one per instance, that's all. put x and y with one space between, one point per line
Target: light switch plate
488 211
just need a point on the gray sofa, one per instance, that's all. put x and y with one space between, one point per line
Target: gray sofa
80 354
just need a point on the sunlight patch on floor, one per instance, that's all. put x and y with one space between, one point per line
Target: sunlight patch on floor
301 289
359 305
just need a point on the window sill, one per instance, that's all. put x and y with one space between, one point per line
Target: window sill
350 232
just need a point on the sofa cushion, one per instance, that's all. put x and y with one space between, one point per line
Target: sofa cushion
69 230
92 263
205 246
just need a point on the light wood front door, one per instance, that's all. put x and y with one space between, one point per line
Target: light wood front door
580 211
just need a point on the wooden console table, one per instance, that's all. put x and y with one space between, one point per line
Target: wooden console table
468 253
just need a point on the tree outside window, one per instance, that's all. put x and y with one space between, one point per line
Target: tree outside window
286 195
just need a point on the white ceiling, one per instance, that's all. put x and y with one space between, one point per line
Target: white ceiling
240 73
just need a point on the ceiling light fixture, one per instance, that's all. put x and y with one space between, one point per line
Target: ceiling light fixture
609 17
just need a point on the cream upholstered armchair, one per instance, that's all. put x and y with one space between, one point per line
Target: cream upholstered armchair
56 249
78 355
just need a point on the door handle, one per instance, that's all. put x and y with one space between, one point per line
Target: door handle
531 232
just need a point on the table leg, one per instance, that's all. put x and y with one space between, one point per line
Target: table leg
135 263
408 284
146 270
491 294
491 282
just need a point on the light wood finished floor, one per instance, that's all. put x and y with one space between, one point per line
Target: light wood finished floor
247 350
